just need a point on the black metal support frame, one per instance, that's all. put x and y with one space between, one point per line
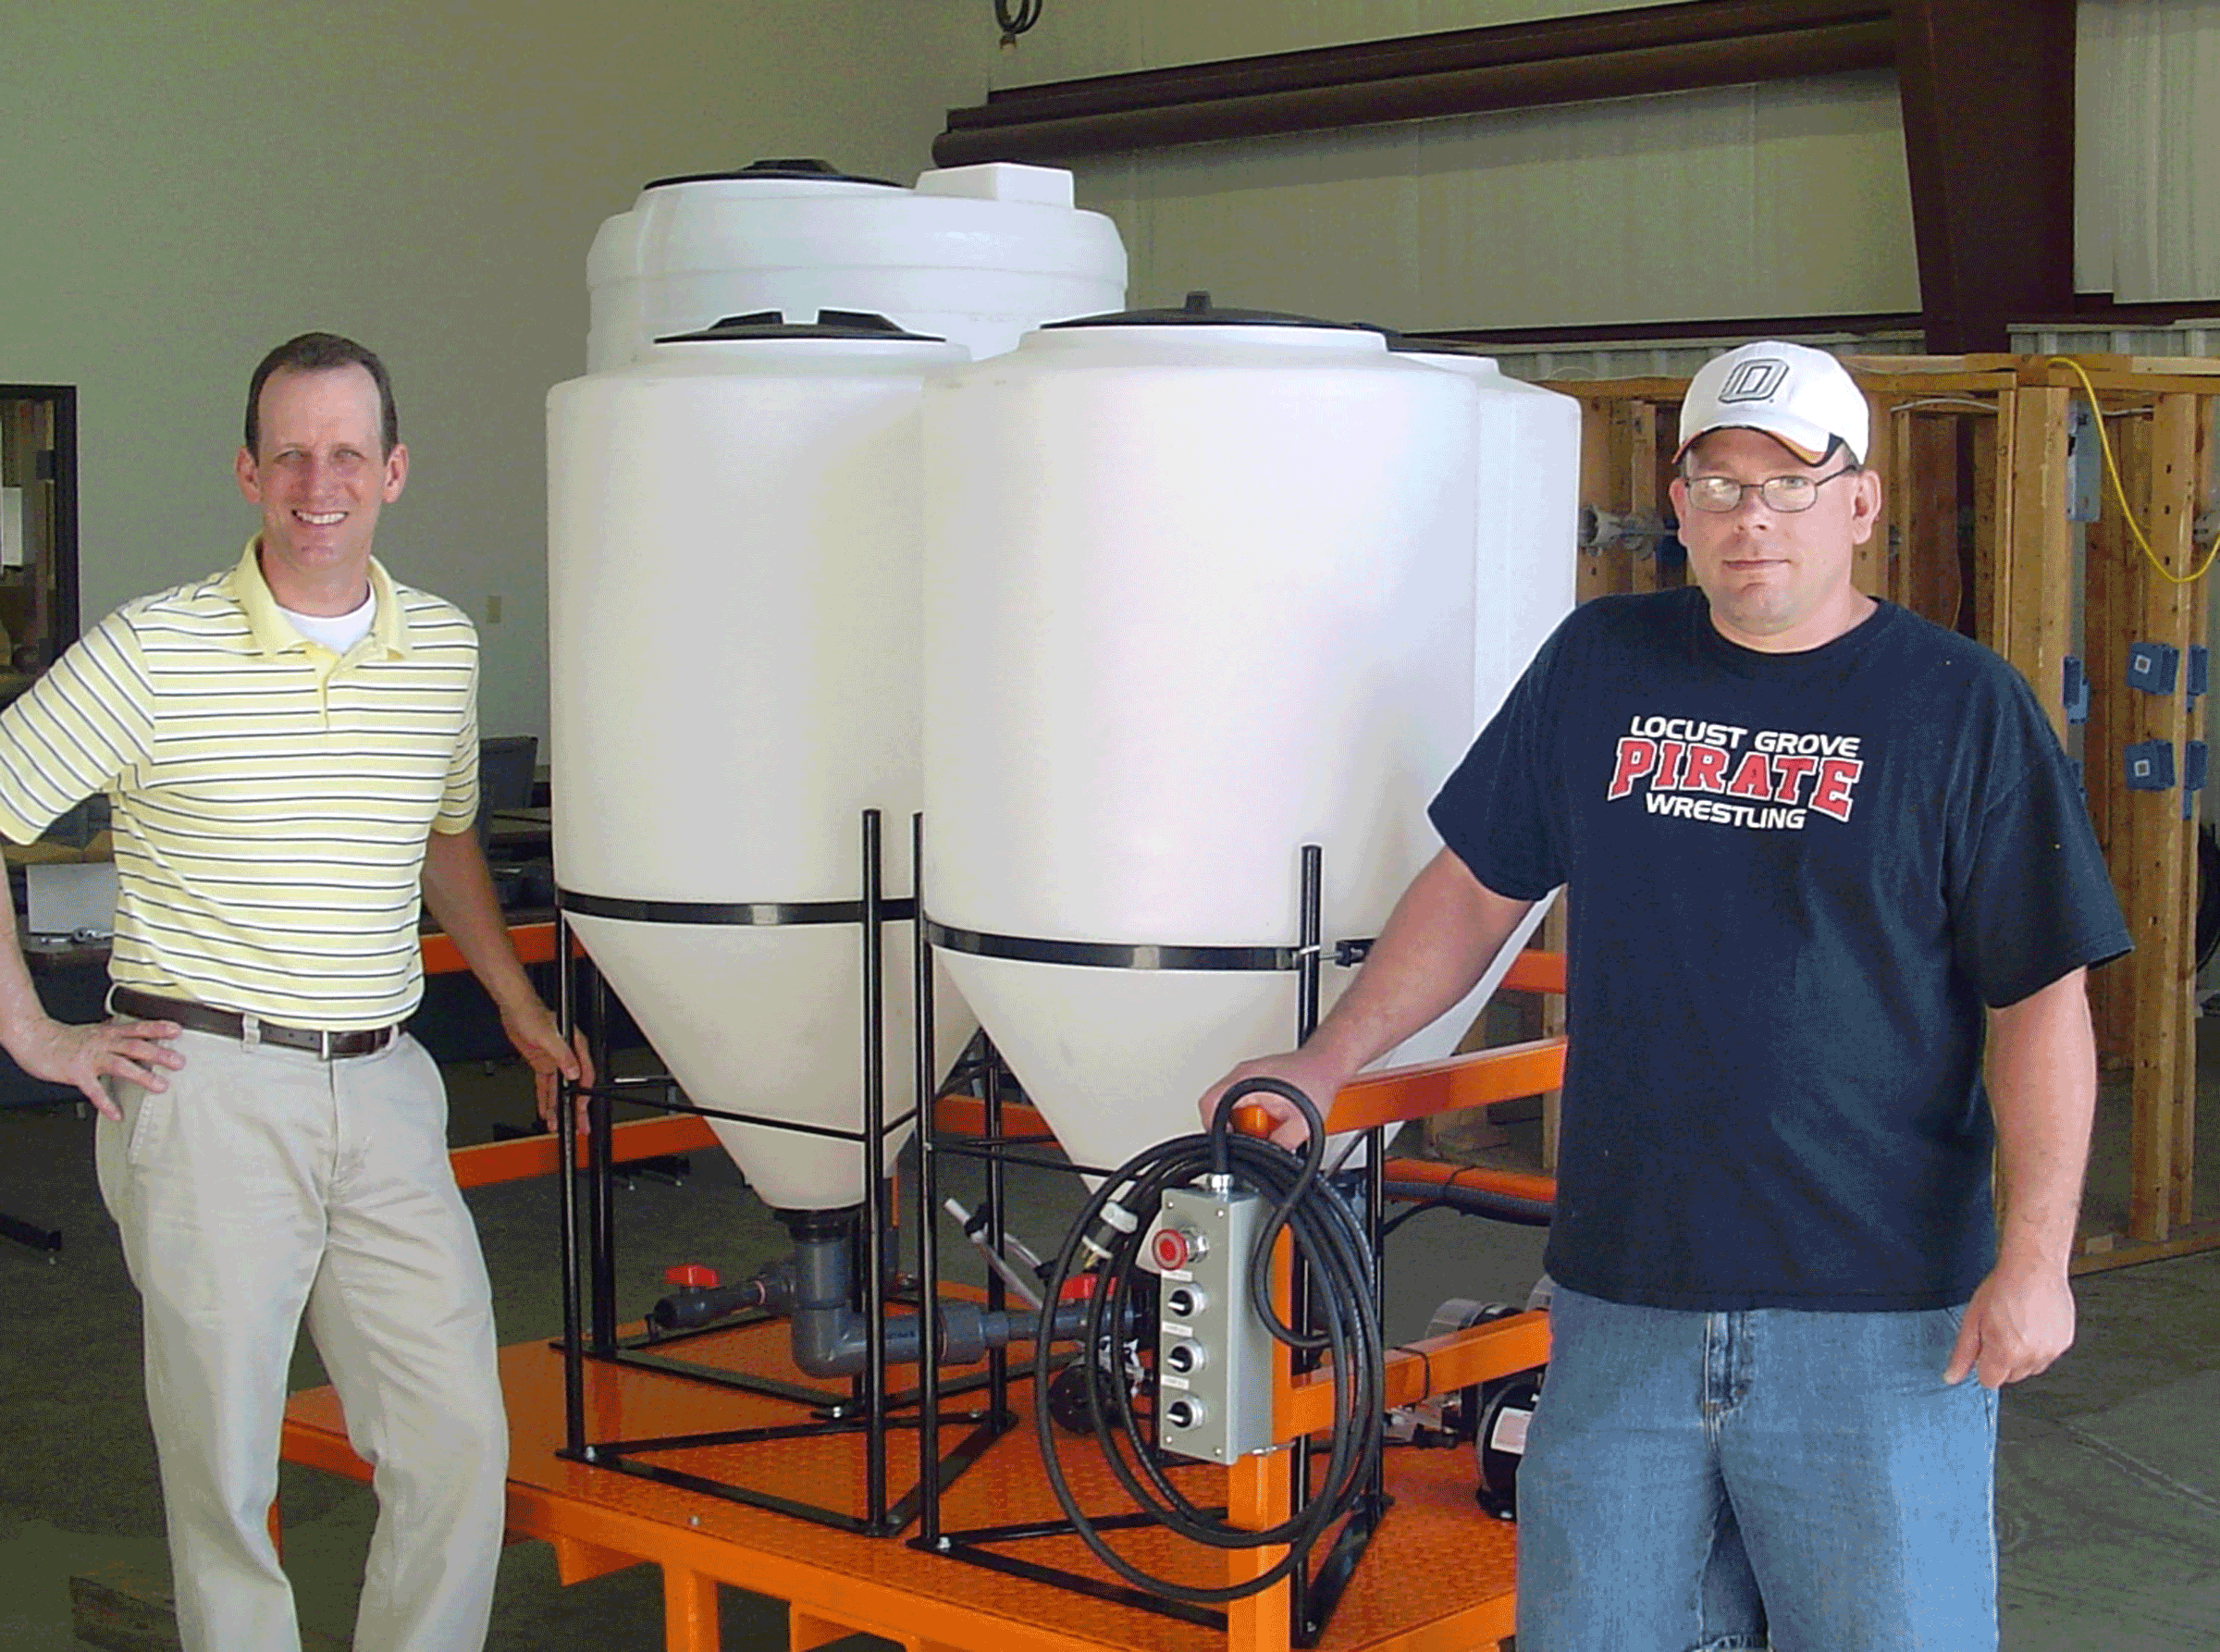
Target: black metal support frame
590 1271
1314 1593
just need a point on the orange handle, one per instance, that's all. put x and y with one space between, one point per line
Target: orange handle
1251 1119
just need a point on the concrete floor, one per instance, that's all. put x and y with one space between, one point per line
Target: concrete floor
2109 1476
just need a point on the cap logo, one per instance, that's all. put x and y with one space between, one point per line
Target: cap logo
1753 380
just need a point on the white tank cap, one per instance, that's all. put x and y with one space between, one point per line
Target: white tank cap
1000 180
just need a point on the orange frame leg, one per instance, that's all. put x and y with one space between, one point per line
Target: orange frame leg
690 1611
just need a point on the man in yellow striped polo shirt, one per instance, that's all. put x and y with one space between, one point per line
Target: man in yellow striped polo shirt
291 751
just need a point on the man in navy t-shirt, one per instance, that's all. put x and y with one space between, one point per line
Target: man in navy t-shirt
1823 856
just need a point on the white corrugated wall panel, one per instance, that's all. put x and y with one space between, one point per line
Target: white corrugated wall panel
2147 177
1815 213
1749 201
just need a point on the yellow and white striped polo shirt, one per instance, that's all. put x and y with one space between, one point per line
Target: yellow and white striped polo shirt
270 799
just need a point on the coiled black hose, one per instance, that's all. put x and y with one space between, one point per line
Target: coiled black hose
1329 1241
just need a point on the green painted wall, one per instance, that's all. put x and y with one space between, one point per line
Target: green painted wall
185 185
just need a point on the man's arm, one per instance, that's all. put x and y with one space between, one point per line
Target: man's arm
1438 941
2043 1087
457 892
63 1054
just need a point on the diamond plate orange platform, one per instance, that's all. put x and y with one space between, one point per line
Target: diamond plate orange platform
1438 1578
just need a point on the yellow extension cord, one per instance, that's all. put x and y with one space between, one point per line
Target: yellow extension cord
2119 490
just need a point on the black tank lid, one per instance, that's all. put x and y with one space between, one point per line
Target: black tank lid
1200 311
792 169
829 323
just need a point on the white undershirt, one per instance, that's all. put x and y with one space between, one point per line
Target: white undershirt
337 632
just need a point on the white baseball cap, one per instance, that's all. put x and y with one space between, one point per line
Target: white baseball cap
1803 397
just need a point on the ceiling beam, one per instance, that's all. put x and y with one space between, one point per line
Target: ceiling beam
1635 53
1987 89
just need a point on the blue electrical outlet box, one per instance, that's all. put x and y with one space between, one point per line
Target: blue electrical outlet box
2151 667
2151 765
2201 660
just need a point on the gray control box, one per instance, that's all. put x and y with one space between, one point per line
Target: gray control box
1213 1355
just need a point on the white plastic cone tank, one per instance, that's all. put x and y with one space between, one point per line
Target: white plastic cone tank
1528 551
973 254
733 529
1197 592
1527 564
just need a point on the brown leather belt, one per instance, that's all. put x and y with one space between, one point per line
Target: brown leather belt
249 1030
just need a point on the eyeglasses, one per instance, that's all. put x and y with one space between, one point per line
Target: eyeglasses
1786 494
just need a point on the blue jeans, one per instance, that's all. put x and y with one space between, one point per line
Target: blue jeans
1694 1481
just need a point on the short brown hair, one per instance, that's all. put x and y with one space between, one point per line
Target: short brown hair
320 353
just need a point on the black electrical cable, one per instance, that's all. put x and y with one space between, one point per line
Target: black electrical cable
1017 18
1387 1228
1328 1239
1468 1201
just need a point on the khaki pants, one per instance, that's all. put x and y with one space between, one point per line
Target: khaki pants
264 1183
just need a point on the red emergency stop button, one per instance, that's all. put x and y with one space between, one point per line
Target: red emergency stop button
1175 1247
690 1276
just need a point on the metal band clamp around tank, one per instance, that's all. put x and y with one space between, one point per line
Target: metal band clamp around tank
1110 954
743 914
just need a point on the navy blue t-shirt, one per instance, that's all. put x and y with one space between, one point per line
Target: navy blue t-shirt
1795 881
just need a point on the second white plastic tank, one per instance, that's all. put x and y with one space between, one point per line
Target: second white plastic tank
1527 517
1527 564
1199 591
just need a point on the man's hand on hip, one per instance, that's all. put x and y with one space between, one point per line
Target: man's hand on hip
60 1053
2019 1322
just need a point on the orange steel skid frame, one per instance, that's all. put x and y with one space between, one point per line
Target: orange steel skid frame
1439 1577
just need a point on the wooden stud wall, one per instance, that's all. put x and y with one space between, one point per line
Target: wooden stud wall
2030 589
2157 871
1974 453
1625 463
1555 929
2111 586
